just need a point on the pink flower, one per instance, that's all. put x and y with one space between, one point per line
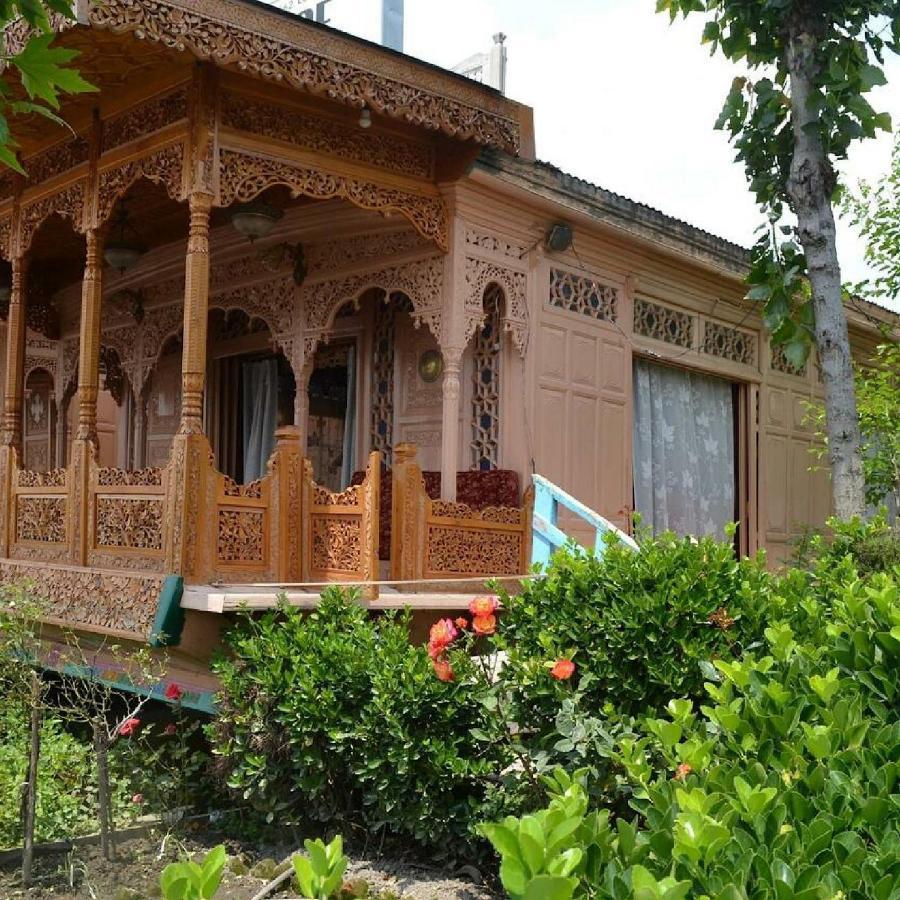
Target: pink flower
174 692
170 729
129 726
484 606
462 623
443 669
443 633
137 799
563 669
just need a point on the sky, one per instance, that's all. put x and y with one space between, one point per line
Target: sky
621 98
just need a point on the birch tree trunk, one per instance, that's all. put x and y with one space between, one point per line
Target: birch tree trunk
810 187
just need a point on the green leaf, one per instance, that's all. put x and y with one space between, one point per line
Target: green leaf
550 887
44 73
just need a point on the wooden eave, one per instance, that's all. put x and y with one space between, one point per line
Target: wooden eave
258 40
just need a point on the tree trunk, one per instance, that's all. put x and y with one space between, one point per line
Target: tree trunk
31 781
810 187
101 751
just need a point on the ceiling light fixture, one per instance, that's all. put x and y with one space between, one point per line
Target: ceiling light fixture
365 117
255 220
559 238
122 252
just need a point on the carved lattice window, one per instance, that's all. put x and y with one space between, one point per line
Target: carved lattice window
578 294
662 323
780 363
382 427
486 388
729 343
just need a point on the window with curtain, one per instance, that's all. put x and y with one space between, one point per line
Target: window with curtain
684 450
260 412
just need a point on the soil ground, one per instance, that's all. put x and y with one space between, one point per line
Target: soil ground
83 874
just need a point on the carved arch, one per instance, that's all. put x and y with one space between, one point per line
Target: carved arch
243 176
480 275
164 166
67 204
421 281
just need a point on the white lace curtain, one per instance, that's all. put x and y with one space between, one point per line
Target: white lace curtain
684 460
260 409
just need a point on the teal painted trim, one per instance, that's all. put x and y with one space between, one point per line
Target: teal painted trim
547 537
169 621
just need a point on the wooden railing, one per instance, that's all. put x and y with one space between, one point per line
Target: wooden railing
341 529
548 537
38 522
436 539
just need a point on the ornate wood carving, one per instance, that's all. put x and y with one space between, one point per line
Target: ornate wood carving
581 294
146 118
5 235
729 343
243 176
121 602
366 248
326 135
41 519
479 274
420 280
68 203
201 26
56 159
164 166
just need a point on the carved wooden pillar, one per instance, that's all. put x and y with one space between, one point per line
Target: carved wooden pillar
407 551
84 445
196 310
450 421
15 358
287 492
139 412
190 533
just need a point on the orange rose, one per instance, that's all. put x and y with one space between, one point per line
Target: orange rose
442 635
462 623
484 624
682 772
563 669
443 669
484 606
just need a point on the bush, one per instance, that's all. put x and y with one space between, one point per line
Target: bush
335 716
783 786
638 623
872 546
67 786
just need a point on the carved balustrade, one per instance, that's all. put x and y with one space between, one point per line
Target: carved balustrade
438 539
39 513
341 529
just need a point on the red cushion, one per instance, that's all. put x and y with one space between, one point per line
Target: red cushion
498 487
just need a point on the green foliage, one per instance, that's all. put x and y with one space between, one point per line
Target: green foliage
863 548
335 716
320 873
638 625
782 785
874 209
847 41
67 785
44 71
187 880
878 401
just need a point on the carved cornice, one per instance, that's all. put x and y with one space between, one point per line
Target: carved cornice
56 159
244 176
365 248
326 135
5 235
268 46
68 203
163 166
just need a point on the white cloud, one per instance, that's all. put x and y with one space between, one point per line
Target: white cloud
621 98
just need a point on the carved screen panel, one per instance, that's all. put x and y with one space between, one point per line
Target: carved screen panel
581 294
485 444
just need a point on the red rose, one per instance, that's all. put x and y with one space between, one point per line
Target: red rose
174 692
563 669
170 729
129 726
443 669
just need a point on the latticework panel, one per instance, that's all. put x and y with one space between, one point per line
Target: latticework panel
780 363
729 343
485 442
663 323
382 425
579 294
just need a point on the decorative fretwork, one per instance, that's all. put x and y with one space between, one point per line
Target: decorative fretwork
241 537
164 166
348 497
504 515
663 323
463 551
53 478
482 274
729 343
56 160
333 255
485 442
145 118
580 294
301 129
130 523
230 488
266 46
780 363
109 477
243 176
382 428
494 244
41 519
68 203
336 543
